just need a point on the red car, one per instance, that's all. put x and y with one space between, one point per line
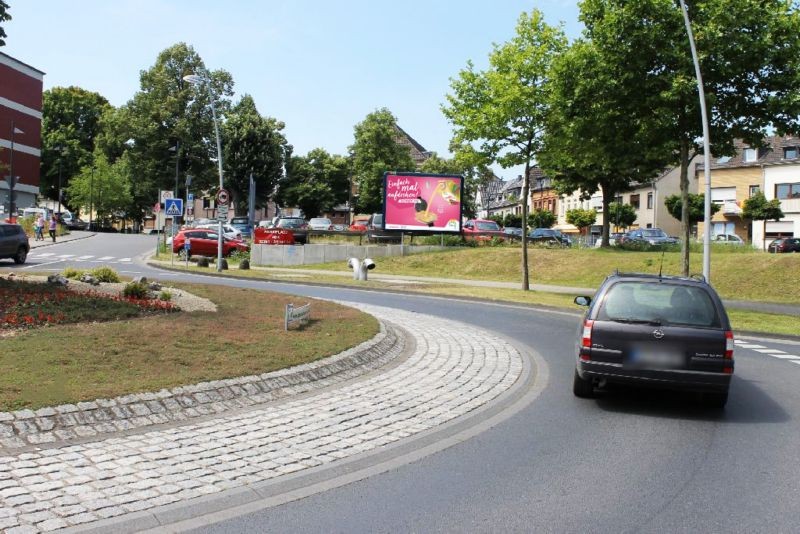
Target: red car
204 242
482 230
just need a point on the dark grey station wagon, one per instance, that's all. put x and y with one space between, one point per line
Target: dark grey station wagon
13 242
653 330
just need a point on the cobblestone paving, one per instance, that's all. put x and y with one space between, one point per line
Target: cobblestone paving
454 369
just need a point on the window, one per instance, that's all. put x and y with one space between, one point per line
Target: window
750 154
635 201
754 189
786 191
649 201
790 152
719 195
206 203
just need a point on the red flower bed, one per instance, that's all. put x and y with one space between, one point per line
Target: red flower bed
29 305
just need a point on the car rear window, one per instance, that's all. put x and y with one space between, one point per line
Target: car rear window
661 303
489 226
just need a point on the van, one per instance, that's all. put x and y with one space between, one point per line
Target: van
35 212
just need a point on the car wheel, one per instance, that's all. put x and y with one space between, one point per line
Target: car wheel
582 388
21 256
716 400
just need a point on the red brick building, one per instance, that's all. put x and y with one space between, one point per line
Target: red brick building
20 124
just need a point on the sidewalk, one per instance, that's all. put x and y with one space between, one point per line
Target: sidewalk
125 481
72 236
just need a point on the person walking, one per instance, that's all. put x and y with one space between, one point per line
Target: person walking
38 229
53 228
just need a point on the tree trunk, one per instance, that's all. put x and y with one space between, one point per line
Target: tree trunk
608 198
685 222
525 192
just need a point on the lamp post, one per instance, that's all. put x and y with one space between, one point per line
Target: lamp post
60 155
12 180
198 80
706 148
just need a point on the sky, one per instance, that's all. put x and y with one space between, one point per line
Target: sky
319 66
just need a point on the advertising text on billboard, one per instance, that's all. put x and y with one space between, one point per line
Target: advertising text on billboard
422 202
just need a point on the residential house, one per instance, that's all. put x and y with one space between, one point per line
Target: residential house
508 199
773 169
418 152
542 193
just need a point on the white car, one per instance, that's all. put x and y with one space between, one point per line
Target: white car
228 231
320 223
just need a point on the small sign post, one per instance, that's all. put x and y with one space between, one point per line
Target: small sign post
297 316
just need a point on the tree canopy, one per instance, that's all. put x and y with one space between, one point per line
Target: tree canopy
104 187
758 208
374 151
622 215
315 183
4 16
696 207
581 218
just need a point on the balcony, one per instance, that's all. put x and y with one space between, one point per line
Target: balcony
730 207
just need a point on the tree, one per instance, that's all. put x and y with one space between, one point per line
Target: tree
70 125
315 183
503 108
104 187
374 151
541 218
674 206
167 112
590 143
464 164
253 145
4 16
749 53
581 218
623 215
758 208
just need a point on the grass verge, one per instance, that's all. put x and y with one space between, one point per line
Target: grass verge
69 363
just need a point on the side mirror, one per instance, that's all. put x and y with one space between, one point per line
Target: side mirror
583 301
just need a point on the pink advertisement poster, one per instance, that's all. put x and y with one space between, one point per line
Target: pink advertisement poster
430 203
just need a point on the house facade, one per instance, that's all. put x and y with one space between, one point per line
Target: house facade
20 133
773 169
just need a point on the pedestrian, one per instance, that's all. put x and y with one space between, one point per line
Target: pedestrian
38 229
53 228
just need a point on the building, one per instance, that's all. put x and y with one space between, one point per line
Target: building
543 195
773 169
418 152
20 128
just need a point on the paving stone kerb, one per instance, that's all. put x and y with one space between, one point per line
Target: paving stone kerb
453 369
103 416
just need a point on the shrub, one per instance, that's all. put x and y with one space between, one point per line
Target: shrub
105 274
72 273
165 295
239 256
137 290
202 261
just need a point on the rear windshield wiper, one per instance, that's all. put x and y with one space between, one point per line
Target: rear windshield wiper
630 320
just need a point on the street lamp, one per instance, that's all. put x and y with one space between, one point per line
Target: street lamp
706 149
198 80
177 150
12 180
91 198
60 156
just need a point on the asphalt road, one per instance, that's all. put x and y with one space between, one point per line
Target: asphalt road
642 461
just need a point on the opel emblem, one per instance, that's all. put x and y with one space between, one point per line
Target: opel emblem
658 333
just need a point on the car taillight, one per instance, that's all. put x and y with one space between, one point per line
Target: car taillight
586 339
728 351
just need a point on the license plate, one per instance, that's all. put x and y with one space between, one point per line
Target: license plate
658 358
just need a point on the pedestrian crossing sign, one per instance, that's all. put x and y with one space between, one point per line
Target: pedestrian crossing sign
173 207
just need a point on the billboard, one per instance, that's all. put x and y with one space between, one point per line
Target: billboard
422 202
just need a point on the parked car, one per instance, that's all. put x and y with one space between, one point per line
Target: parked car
727 239
72 222
651 330
227 230
549 236
653 236
513 232
482 229
376 233
297 225
320 223
14 243
785 244
205 242
243 225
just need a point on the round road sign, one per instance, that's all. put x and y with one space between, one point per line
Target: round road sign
223 197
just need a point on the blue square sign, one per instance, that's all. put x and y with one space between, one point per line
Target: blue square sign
173 207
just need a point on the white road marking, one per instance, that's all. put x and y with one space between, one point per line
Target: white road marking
744 346
66 256
784 356
43 254
85 257
106 258
769 351
795 361
124 259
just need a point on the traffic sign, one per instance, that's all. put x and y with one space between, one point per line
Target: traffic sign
222 213
165 195
223 197
190 197
173 207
